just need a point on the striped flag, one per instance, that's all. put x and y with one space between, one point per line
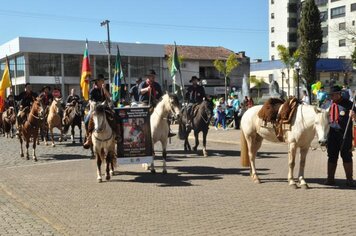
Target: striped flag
4 84
118 76
86 73
175 61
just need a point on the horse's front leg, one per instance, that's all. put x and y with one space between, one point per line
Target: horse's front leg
52 137
108 162
291 163
72 134
27 146
61 134
98 167
21 142
80 134
303 156
34 148
205 153
253 143
196 136
152 167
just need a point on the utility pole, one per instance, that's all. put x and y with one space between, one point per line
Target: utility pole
106 23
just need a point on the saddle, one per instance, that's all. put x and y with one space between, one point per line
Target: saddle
279 113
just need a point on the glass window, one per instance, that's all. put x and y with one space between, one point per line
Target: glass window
20 66
323 16
325 31
353 7
321 2
324 48
140 65
272 44
72 65
272 29
292 22
12 67
272 15
102 65
292 37
2 68
337 12
342 26
272 57
272 1
292 7
342 43
42 64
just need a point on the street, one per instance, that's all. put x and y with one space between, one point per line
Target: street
59 195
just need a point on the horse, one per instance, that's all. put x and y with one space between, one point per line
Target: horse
306 121
30 127
8 121
167 106
103 142
54 118
200 119
73 117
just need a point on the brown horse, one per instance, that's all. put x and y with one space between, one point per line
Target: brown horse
8 120
54 119
73 117
30 128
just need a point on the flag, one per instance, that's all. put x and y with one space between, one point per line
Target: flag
118 76
86 73
4 84
175 62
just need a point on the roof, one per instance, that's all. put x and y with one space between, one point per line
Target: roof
200 52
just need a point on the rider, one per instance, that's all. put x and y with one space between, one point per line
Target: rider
72 97
340 111
150 92
10 102
97 94
134 90
195 94
47 98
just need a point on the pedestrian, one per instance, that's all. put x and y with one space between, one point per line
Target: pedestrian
250 102
340 111
134 95
321 96
220 115
305 98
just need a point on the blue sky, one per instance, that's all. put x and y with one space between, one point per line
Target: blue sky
239 25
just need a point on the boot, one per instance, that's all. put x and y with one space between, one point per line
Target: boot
170 134
88 143
348 167
331 174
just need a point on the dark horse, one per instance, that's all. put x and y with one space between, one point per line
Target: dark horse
30 127
200 118
73 115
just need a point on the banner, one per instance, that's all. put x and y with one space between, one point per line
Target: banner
135 146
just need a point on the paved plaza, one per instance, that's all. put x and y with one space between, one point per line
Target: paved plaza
59 195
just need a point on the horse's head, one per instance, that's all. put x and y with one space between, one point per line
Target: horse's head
208 107
99 118
174 105
322 125
39 107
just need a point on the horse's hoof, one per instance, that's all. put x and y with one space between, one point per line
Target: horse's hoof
164 172
257 181
46 144
112 173
73 142
304 186
108 177
22 155
27 158
153 171
53 145
34 159
99 180
293 186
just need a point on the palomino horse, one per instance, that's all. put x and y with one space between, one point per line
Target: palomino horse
8 121
30 128
103 142
73 117
168 105
307 121
200 119
54 119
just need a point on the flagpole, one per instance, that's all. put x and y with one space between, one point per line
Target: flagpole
182 86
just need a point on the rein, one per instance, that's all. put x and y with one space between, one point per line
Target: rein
103 140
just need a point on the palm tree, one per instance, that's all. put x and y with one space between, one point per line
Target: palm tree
258 83
289 59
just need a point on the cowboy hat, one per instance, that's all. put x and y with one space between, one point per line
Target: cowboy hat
151 72
194 78
44 87
99 77
335 89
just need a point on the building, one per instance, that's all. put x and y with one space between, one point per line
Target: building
337 22
57 62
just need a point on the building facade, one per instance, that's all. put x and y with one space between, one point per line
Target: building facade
337 21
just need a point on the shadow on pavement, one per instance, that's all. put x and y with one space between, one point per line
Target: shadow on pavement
62 157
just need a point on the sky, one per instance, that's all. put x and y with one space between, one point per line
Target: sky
239 25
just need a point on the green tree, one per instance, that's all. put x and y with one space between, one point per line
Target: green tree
288 58
226 67
353 57
311 37
258 83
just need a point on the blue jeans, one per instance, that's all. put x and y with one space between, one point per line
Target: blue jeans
220 119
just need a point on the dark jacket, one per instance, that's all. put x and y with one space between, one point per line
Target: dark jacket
25 98
134 93
195 94
72 98
344 107
154 98
96 95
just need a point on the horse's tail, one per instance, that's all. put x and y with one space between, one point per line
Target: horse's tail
245 160
182 132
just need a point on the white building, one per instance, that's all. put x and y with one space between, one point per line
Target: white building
337 20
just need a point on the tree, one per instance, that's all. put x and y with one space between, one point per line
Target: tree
258 83
288 58
226 68
311 37
353 57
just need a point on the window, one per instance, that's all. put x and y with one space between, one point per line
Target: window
334 0
324 48
292 37
323 16
209 72
292 22
20 66
272 44
272 29
272 1
272 57
337 12
325 31
72 65
342 43
272 15
342 26
353 23
353 7
43 64
321 2
12 67
140 65
292 8
342 57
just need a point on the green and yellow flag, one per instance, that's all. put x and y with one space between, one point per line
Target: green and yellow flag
118 76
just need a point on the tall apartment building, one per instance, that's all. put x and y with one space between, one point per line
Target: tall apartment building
337 21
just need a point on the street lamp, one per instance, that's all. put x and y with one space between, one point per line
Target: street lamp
283 76
297 69
106 23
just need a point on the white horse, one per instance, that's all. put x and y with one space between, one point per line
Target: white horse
168 105
307 121
54 119
103 138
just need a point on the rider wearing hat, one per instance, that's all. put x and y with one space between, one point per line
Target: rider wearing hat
47 98
195 94
340 111
97 94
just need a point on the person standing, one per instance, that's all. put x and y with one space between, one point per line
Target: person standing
134 95
340 111
321 95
